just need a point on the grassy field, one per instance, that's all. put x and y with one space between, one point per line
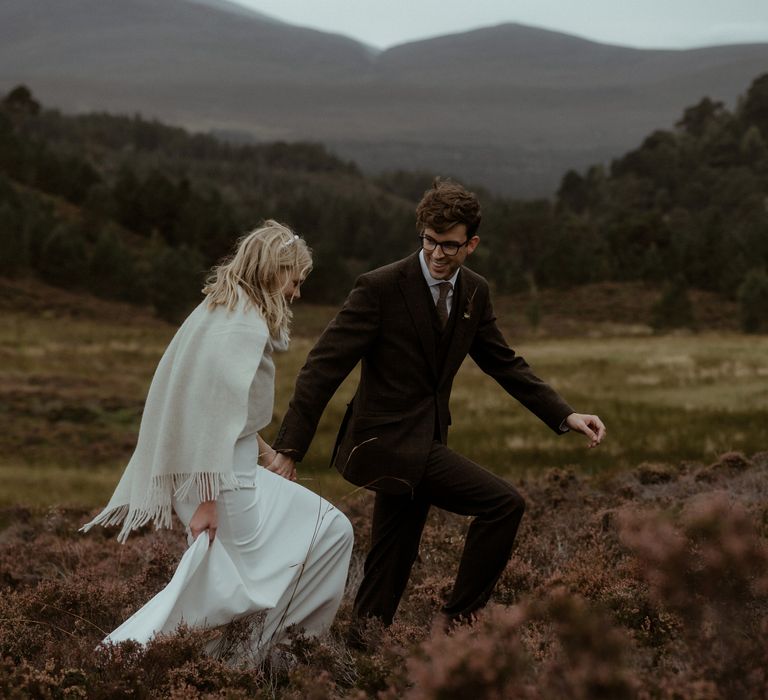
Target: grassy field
73 381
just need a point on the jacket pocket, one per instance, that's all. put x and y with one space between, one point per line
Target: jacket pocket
369 421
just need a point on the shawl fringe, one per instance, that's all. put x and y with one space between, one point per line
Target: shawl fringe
157 506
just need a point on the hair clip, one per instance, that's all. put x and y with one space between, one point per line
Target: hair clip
291 242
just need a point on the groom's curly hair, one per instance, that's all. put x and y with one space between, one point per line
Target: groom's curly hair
446 204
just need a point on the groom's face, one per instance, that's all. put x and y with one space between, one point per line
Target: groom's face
440 265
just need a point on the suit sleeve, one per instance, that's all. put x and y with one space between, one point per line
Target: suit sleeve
490 351
340 347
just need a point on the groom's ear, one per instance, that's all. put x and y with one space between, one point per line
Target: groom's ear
472 243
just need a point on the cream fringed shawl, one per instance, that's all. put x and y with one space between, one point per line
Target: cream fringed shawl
196 408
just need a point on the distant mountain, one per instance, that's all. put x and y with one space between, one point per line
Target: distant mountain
509 106
237 9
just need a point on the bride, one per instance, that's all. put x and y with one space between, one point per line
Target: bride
259 542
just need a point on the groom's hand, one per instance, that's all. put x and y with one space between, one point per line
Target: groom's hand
283 465
589 425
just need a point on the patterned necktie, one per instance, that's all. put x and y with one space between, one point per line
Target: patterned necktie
442 303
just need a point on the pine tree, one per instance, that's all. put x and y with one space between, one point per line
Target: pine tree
175 279
63 257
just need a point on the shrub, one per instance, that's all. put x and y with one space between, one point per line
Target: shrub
14 249
673 309
711 571
753 301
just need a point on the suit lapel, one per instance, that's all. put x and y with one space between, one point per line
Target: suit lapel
412 285
464 294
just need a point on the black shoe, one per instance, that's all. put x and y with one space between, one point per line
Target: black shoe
364 633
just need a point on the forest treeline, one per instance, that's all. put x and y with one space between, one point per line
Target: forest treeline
133 209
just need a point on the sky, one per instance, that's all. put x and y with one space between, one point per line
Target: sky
638 23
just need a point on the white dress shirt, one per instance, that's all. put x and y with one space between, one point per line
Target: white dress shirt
434 285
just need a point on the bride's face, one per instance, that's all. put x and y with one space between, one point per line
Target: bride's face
291 288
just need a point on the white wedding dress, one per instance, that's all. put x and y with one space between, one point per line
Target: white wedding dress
280 550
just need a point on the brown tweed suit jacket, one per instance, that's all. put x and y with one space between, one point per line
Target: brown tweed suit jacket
401 403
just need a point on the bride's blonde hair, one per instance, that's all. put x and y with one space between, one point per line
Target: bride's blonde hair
264 260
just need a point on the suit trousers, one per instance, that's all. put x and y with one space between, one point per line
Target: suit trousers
456 484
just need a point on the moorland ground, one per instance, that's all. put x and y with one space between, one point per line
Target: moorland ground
640 569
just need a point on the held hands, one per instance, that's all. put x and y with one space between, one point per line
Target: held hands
589 425
205 518
283 465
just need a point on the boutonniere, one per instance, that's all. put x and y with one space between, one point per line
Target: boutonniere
468 307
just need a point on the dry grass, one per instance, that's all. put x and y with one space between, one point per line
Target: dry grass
75 372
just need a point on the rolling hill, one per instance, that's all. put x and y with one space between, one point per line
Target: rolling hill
511 107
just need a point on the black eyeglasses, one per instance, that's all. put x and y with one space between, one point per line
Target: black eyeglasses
448 247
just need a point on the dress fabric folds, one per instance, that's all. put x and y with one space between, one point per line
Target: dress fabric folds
280 550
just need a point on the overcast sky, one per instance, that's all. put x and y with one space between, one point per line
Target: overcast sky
640 23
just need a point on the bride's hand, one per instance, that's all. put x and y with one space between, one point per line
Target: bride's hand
205 518
267 456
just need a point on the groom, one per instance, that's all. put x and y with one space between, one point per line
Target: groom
411 324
